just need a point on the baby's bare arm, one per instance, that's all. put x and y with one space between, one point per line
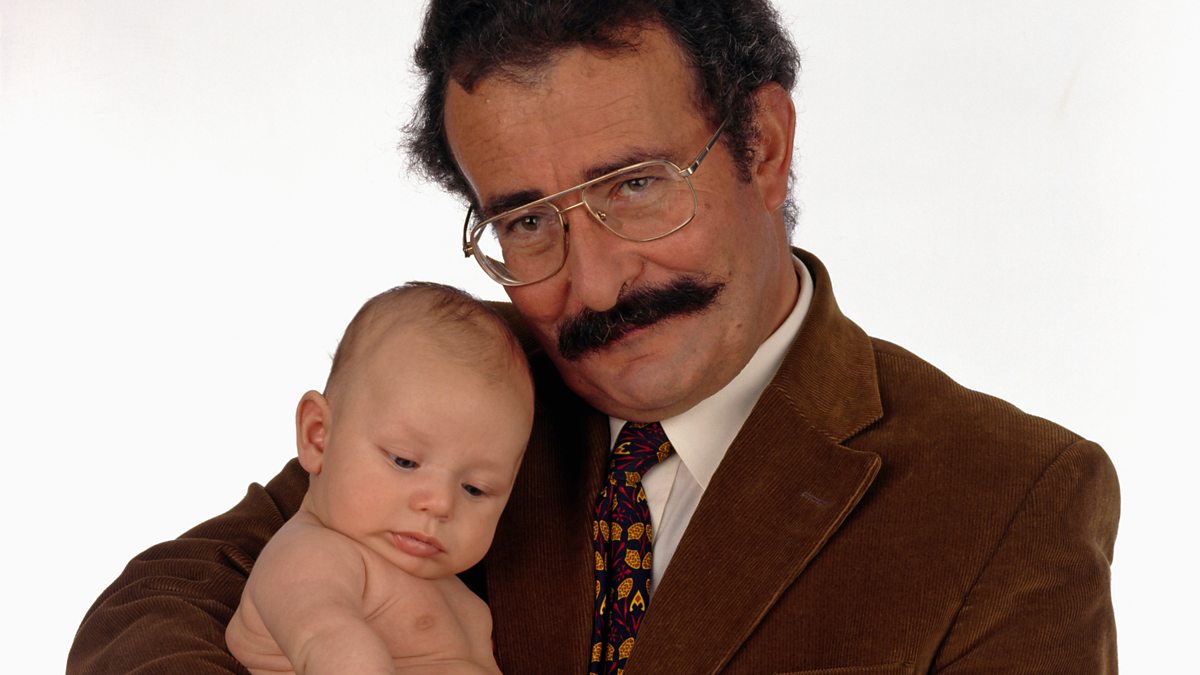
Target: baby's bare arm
307 587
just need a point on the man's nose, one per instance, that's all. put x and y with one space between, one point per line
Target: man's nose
435 498
599 263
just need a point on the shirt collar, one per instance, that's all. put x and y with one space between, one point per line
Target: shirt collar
702 434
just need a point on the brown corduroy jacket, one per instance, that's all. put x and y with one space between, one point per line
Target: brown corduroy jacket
872 516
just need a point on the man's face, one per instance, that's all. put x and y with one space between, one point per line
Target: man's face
587 112
420 456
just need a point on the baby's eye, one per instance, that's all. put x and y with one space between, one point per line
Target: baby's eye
402 462
472 490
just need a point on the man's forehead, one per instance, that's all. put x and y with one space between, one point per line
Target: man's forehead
587 114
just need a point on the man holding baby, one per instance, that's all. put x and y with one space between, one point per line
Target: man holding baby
814 500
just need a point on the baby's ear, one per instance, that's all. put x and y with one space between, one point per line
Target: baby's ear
312 429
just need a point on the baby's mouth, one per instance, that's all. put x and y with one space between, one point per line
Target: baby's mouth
417 544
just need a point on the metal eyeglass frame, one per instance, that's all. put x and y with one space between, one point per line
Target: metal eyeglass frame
471 234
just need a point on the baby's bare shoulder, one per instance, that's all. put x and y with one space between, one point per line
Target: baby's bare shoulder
304 569
306 562
303 546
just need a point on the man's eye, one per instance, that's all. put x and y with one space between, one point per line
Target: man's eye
521 225
402 462
634 186
472 490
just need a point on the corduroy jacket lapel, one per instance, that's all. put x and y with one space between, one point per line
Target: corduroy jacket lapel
782 490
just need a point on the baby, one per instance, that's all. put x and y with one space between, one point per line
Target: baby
411 453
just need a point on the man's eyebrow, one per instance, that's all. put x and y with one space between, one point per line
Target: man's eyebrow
506 201
627 159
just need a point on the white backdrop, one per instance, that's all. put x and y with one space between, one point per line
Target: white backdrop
196 196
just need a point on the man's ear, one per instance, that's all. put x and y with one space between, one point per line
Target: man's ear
312 431
775 127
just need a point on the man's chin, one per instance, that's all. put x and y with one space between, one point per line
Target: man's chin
625 379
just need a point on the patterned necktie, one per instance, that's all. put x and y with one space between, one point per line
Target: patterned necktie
622 539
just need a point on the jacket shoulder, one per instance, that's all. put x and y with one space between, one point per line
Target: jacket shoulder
168 609
939 412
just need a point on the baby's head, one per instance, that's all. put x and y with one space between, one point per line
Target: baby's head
413 448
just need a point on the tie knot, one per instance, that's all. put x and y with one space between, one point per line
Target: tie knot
640 446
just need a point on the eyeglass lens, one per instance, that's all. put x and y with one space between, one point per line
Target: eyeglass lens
639 204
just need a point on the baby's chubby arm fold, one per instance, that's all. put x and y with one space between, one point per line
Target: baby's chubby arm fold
308 590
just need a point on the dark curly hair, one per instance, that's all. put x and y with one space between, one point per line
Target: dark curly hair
734 45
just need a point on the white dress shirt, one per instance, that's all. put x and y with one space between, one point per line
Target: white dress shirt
702 434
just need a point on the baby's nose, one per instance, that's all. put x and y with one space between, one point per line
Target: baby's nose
436 499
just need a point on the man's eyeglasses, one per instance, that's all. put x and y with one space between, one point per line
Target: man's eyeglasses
641 202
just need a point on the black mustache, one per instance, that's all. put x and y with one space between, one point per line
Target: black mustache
588 331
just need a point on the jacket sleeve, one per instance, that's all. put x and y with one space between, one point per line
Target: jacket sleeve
1042 603
167 611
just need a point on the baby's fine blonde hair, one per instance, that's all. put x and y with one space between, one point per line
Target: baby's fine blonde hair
463 328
